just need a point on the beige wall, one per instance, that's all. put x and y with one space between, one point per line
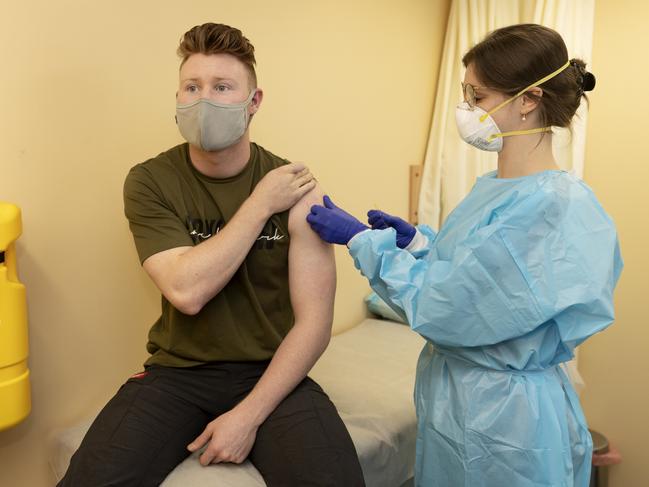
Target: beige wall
88 91
614 363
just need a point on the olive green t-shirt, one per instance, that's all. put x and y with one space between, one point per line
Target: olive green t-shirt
170 204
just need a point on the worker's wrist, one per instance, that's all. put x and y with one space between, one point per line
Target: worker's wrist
356 236
418 242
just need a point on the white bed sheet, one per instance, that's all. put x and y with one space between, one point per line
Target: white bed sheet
368 372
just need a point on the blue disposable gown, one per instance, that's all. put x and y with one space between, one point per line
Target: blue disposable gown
522 271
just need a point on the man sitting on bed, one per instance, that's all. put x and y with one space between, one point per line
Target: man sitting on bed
247 299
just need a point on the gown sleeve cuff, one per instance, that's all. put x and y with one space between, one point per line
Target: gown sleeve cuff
368 244
425 239
349 244
418 242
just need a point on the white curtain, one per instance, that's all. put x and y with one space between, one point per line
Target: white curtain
451 166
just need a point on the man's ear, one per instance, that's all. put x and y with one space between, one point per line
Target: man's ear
256 101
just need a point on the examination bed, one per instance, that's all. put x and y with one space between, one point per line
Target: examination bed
369 374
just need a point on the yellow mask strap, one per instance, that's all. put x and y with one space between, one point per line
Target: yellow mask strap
533 85
519 132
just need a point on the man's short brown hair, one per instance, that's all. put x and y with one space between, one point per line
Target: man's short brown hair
213 38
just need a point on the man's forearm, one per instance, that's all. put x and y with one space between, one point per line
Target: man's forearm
202 271
293 360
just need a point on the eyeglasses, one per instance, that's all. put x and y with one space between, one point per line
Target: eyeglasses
469 93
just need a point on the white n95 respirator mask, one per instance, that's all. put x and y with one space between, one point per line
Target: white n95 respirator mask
474 131
478 128
213 126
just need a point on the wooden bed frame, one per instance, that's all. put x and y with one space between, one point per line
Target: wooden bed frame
415 186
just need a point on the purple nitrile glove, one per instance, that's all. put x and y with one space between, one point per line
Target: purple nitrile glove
332 224
381 220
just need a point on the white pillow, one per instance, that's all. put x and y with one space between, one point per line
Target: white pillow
379 307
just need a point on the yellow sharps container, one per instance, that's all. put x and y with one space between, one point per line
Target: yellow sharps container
15 395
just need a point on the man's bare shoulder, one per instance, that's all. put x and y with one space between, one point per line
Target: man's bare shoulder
297 214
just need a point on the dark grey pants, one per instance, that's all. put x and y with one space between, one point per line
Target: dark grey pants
143 431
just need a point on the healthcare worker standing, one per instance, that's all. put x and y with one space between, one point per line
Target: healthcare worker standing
521 272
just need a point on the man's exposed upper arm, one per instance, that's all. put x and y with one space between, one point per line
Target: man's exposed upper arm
312 268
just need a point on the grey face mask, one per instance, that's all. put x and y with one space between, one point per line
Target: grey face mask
213 126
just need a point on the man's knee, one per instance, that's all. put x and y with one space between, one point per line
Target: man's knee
304 442
136 440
